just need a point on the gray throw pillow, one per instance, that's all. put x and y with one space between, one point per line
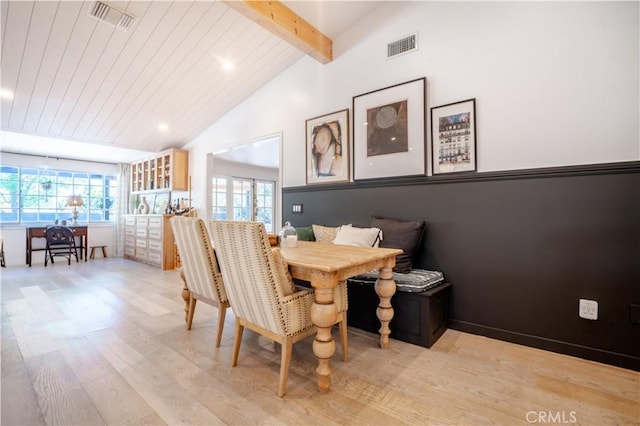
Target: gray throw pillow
402 234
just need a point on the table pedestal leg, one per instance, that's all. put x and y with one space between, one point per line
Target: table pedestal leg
385 288
186 295
324 315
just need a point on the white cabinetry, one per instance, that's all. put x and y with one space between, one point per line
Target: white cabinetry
149 239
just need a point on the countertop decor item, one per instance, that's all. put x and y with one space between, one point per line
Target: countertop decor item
75 201
288 235
143 208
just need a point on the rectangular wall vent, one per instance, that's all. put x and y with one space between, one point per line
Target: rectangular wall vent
404 45
111 15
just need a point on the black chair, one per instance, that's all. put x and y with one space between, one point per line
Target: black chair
60 242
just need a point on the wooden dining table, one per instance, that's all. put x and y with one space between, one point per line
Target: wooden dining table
325 265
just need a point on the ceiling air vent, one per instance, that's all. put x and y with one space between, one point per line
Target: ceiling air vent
111 15
404 45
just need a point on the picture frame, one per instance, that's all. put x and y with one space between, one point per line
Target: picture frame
161 202
453 137
389 131
328 148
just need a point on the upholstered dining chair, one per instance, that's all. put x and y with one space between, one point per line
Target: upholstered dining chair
260 289
200 268
60 242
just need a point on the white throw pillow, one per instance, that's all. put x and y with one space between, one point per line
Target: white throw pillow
325 234
352 236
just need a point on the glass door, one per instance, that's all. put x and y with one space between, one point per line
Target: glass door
244 200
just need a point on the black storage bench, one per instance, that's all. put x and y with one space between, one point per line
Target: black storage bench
420 317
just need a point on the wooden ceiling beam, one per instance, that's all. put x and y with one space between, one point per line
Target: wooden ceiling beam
282 21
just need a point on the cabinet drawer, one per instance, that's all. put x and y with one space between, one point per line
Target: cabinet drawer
129 221
155 222
154 245
141 254
154 257
129 230
142 221
155 233
129 251
141 232
141 243
129 241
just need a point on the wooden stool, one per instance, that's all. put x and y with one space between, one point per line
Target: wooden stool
92 255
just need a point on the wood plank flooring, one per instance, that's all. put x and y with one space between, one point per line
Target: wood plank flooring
104 342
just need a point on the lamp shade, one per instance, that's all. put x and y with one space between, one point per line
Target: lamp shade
75 201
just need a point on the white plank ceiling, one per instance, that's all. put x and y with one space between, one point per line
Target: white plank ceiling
76 78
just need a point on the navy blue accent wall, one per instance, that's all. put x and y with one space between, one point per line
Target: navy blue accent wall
520 248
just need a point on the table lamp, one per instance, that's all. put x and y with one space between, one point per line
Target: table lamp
75 201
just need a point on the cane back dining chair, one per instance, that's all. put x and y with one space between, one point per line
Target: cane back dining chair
60 242
200 268
260 290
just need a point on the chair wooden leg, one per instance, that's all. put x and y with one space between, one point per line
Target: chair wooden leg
237 339
287 347
222 311
343 336
191 311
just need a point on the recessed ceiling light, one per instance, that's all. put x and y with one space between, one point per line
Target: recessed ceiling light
163 127
227 65
6 94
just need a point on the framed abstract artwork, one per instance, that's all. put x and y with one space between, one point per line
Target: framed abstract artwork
389 136
328 148
453 137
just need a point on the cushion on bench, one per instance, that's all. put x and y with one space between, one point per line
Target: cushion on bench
402 234
416 280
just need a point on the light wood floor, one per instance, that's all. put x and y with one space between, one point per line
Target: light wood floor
104 342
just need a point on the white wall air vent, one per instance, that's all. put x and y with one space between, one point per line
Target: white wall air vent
111 15
404 45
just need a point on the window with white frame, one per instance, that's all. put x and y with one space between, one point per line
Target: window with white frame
243 199
219 198
42 195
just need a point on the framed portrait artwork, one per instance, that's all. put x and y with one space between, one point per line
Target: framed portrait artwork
328 148
389 131
453 137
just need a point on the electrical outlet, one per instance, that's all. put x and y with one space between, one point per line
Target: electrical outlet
588 309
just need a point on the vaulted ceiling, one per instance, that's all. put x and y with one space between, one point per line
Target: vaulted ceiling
179 67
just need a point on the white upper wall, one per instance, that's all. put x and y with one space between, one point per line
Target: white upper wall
55 163
555 83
